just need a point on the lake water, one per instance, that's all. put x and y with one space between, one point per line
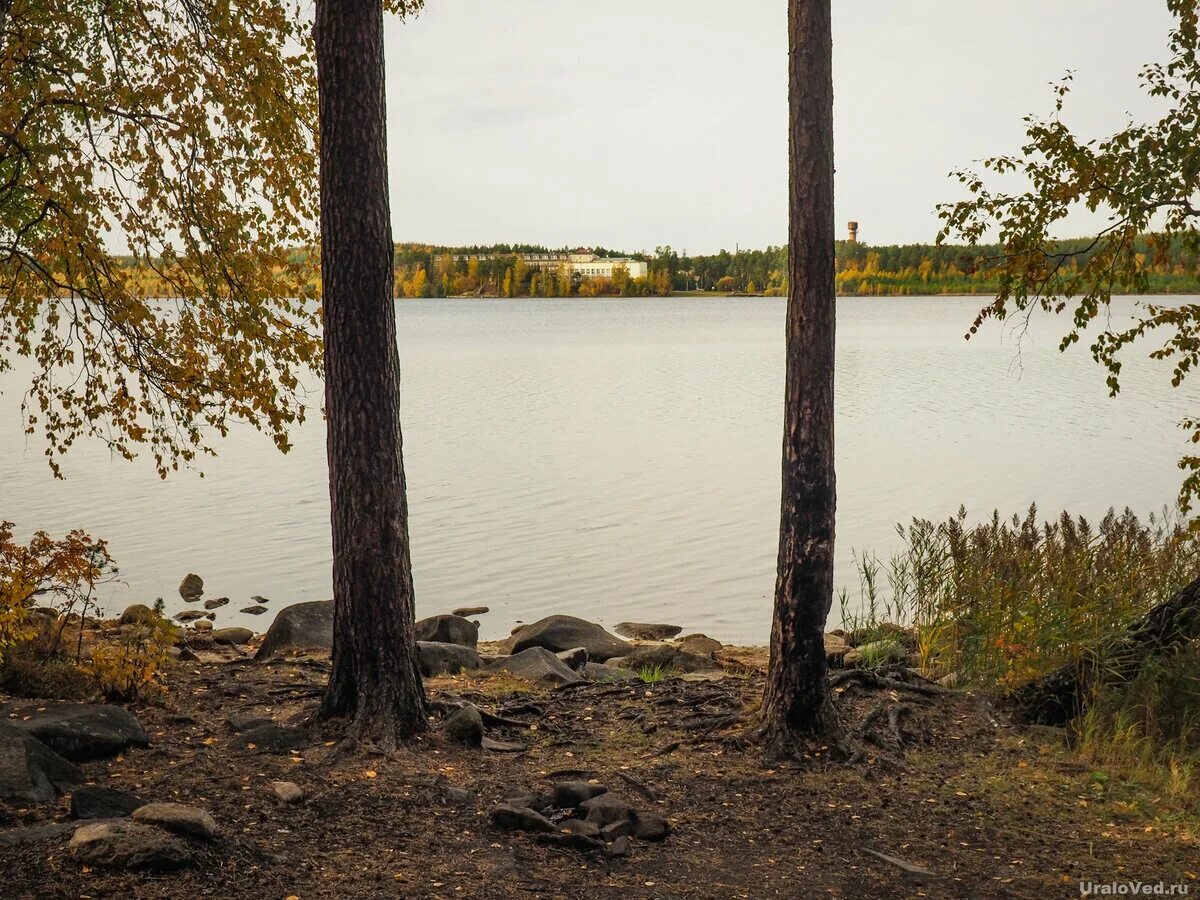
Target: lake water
619 459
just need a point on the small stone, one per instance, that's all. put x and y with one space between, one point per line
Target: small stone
191 587
605 809
188 615
203 625
466 726
103 803
648 826
641 631
258 599
216 603
254 610
570 794
179 818
127 845
571 841
537 665
520 818
287 791
603 672
575 658
464 611
621 847
950 680
275 738
233 636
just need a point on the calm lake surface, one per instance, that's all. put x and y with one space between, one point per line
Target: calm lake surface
619 459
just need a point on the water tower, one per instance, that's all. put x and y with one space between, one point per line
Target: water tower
853 226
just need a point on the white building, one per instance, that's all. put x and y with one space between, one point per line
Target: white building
587 265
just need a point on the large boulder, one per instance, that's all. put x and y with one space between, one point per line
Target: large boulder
445 659
665 657
127 845
448 629
31 772
137 614
78 731
537 665
558 633
301 626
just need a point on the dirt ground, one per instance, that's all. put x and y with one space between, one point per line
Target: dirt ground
990 810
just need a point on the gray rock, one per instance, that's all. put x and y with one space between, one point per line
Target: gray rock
570 840
543 803
649 826
244 721
258 599
466 726
620 848
875 653
254 610
191 587
128 845
618 829
836 649
448 629
575 659
137 614
436 658
465 611
30 772
275 738
15 837
288 791
538 666
179 818
216 603
646 632
700 645
605 810
570 794
578 826
520 818
78 731
558 633
232 636
301 626
95 802
188 615
502 746
666 657
203 625
605 672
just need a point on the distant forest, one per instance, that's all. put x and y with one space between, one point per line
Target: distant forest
863 270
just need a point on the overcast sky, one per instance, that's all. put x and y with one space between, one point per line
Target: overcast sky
631 124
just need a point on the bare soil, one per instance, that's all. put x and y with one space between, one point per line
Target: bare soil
987 808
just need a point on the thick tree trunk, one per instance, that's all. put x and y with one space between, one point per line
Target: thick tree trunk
795 697
1059 697
374 679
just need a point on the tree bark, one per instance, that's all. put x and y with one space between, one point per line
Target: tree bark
374 680
1059 697
795 697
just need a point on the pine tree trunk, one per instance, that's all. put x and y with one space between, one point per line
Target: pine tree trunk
795 699
375 680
